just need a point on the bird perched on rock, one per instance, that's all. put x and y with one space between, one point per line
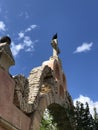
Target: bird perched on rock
54 44
5 49
55 36
5 39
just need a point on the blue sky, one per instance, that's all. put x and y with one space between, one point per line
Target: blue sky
31 25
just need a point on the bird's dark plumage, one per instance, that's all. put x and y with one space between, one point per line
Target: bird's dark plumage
55 36
5 39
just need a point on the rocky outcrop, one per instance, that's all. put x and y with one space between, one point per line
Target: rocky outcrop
24 100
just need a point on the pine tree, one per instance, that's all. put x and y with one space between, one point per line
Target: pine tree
82 117
96 119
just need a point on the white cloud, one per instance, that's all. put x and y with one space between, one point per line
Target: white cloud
16 48
84 47
27 45
27 41
84 99
30 45
33 26
2 26
21 35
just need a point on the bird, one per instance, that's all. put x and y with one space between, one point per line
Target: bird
54 37
54 43
5 39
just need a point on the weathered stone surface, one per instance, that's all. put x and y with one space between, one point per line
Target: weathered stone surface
6 58
1 128
45 85
10 115
23 100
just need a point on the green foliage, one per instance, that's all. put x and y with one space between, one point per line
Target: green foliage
82 118
60 117
47 122
77 118
95 119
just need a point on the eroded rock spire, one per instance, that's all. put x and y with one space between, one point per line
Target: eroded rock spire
54 44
